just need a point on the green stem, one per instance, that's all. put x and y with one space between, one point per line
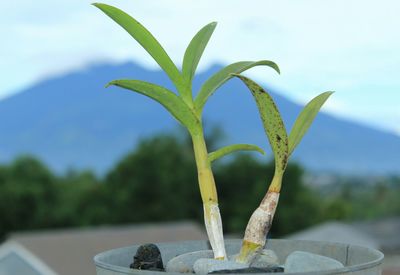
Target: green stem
205 175
276 183
209 196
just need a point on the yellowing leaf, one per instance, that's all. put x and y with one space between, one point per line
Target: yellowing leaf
272 122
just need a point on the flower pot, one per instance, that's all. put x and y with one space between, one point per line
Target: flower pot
356 259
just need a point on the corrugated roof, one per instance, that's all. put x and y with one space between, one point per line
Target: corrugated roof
336 232
385 231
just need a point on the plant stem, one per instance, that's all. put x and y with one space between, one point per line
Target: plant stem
208 191
260 222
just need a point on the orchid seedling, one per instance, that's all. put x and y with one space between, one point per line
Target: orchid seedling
187 109
282 147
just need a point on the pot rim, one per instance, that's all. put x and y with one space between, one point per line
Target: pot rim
379 257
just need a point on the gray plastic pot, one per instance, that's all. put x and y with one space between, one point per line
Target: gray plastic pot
356 259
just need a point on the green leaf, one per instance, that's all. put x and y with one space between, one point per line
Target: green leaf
195 50
272 122
305 119
219 78
165 97
145 39
233 148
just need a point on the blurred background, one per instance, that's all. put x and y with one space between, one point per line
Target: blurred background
85 169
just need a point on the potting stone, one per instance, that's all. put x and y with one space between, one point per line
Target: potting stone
205 266
300 261
265 258
148 257
184 263
275 269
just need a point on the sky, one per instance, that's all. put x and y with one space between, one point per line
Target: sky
350 47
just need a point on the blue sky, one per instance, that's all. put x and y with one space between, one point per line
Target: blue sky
351 47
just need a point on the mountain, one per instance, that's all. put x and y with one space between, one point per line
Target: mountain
72 121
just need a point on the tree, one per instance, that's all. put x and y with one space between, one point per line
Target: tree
241 184
149 182
27 195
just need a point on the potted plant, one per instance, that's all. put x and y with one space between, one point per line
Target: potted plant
188 110
282 146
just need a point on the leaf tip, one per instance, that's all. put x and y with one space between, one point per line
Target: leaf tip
100 6
259 150
276 67
111 83
328 94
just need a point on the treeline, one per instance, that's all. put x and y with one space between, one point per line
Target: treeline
158 182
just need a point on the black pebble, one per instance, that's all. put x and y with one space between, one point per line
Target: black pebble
148 257
276 269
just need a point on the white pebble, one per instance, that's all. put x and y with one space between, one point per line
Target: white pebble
300 261
205 266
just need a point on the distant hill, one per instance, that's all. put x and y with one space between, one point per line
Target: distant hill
72 121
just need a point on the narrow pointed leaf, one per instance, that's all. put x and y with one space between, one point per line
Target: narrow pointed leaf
195 50
219 78
233 148
272 122
165 97
145 39
305 119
